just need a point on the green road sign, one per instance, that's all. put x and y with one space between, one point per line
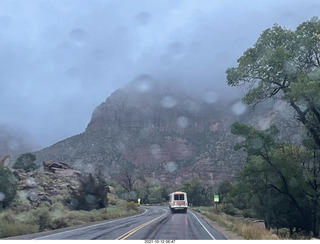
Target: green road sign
216 198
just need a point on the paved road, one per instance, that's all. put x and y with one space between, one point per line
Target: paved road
155 223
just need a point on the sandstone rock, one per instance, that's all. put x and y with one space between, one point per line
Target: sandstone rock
48 165
67 172
36 198
63 169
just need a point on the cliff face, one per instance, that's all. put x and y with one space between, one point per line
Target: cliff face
167 135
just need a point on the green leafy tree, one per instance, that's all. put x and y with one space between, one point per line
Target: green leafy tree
272 181
26 162
198 193
285 64
8 187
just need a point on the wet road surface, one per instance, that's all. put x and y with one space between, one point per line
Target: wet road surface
154 223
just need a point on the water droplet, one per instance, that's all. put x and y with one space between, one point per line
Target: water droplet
143 83
210 97
30 182
78 35
90 199
176 48
155 151
99 55
2 196
182 122
171 167
72 72
143 87
143 18
168 102
238 108
257 143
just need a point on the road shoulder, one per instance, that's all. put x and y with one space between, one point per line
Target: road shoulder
228 234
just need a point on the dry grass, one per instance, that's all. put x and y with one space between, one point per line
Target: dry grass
241 226
13 223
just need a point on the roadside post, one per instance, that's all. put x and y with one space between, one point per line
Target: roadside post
138 202
216 200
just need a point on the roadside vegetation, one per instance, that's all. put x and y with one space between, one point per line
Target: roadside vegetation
280 181
58 216
245 227
34 201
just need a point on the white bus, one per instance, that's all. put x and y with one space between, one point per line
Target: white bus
178 201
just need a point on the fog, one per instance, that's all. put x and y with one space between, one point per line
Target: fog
60 59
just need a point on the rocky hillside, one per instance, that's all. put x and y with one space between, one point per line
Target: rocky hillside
165 133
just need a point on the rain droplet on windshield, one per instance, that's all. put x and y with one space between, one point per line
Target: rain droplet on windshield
238 108
168 102
171 167
155 151
257 143
2 196
210 97
182 122
78 35
99 54
143 18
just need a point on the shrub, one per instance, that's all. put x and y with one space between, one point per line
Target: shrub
59 223
8 187
92 193
230 209
10 226
26 162
131 206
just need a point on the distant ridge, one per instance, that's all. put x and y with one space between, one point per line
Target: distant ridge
164 133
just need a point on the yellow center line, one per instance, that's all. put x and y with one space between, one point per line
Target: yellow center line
130 232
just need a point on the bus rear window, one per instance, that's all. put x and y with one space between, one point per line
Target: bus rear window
179 197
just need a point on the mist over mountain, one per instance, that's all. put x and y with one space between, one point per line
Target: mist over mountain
165 133
14 141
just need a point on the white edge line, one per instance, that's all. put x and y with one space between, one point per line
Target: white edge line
204 227
90 226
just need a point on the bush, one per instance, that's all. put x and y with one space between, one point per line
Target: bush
132 206
230 209
8 187
26 162
92 193
59 223
10 226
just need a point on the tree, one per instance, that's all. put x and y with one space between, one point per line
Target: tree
285 64
26 162
92 193
272 179
198 193
8 186
127 176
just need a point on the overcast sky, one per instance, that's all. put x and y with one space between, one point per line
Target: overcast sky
60 59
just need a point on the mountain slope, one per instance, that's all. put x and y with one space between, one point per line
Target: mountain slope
165 133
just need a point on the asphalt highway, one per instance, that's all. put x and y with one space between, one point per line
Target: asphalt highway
154 223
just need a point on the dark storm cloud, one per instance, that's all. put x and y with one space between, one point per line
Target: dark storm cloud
60 59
